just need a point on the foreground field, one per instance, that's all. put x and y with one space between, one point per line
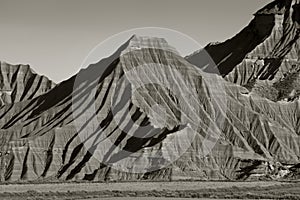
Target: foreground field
143 198
216 190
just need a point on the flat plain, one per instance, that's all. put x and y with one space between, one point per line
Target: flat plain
152 190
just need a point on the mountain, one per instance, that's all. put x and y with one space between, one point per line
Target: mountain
20 82
264 56
146 113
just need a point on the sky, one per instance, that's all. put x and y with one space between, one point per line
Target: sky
55 36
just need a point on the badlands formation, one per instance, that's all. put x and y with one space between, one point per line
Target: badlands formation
147 113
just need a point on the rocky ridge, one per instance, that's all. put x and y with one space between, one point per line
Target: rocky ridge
20 82
263 53
146 113
102 124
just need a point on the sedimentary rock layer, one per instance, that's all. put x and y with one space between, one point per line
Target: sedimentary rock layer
146 113
263 54
19 83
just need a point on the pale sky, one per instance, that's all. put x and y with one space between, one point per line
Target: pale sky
55 36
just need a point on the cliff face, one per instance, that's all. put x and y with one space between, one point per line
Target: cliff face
263 54
145 113
19 83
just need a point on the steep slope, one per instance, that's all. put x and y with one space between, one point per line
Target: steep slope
145 113
19 82
263 53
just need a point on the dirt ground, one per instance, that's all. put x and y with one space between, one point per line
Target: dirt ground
162 190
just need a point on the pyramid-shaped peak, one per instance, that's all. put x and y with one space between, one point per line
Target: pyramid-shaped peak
138 42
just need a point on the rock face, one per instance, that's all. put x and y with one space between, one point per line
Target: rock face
146 113
265 55
19 83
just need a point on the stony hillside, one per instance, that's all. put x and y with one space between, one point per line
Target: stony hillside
19 83
146 113
264 56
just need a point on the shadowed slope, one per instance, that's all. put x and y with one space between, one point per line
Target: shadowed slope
145 109
263 53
